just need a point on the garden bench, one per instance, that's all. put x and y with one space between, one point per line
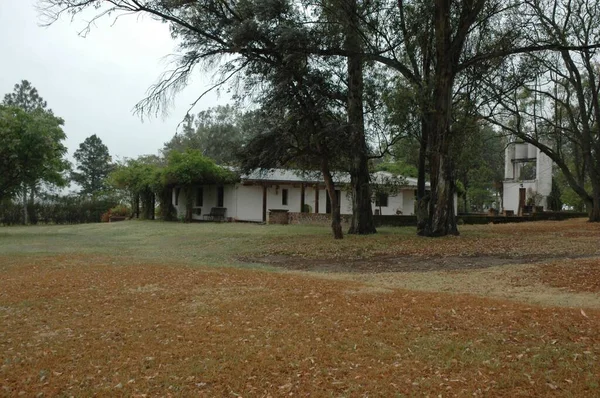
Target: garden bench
216 214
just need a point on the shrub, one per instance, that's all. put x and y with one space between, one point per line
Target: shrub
120 211
57 210
105 217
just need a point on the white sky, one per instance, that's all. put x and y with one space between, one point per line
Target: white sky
93 83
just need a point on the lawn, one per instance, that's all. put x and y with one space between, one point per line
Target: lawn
156 309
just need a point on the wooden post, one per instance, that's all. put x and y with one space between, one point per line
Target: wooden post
301 198
264 207
316 198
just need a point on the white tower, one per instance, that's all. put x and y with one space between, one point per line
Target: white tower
527 176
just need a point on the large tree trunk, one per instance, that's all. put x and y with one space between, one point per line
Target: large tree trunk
362 212
336 218
442 220
422 203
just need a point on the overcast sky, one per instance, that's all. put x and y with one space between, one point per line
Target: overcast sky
93 83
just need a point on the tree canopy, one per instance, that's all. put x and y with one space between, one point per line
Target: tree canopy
442 49
218 133
31 150
93 164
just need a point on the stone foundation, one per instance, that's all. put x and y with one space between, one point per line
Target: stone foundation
278 216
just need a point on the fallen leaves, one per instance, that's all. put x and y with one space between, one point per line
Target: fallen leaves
216 332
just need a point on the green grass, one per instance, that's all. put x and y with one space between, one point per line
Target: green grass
160 242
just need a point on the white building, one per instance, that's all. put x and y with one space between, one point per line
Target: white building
254 195
527 176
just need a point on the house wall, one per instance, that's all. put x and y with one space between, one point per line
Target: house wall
408 208
274 197
209 201
245 202
345 201
394 204
249 203
511 193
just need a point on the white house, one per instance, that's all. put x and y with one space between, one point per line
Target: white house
255 194
527 174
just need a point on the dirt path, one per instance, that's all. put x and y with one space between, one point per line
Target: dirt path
404 263
547 280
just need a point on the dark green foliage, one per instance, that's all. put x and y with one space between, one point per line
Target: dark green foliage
31 149
140 179
442 49
57 210
25 97
554 201
479 164
192 168
93 164
148 178
188 169
218 133
398 166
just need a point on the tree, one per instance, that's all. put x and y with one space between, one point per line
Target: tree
303 123
93 164
26 97
32 151
252 35
189 168
552 99
434 45
141 179
219 133
35 150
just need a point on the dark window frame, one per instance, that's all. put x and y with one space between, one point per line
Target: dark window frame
382 199
284 197
199 197
220 196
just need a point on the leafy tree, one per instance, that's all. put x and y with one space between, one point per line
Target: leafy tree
37 124
552 100
189 168
256 35
436 46
93 164
141 179
303 124
219 133
32 151
26 97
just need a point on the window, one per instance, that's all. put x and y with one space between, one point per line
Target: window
284 197
381 199
527 171
177 190
199 197
220 196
